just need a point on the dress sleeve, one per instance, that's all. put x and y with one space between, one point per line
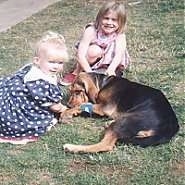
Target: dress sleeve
44 93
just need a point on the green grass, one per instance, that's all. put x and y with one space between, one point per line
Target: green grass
155 38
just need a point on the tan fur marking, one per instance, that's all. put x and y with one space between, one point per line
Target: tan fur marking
145 133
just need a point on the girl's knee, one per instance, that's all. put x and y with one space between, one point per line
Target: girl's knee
94 52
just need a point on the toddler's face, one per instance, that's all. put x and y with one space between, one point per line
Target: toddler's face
50 61
109 22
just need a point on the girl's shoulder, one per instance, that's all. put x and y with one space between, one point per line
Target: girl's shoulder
91 25
90 32
121 36
90 28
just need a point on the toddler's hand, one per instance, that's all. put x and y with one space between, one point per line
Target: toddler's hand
58 108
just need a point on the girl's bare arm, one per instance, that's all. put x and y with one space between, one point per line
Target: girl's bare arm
119 51
88 36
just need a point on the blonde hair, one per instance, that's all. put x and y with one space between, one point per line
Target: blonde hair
53 38
116 7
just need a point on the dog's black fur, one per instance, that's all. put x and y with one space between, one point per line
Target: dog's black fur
142 115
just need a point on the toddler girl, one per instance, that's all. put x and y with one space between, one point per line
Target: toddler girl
31 98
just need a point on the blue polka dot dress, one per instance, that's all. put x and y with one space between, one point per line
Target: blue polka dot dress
25 98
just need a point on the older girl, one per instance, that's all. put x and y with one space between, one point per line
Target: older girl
103 44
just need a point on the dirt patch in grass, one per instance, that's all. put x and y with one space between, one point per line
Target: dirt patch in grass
16 151
178 168
120 172
7 178
42 177
179 88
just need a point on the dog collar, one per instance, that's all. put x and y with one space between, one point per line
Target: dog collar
87 107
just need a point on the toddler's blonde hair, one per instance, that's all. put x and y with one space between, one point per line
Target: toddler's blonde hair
52 38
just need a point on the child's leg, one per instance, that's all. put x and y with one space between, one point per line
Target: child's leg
94 52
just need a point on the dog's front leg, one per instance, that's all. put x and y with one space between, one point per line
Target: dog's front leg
66 116
97 109
105 145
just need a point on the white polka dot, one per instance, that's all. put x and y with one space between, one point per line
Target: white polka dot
39 122
21 94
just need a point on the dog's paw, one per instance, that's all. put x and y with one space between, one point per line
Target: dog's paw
70 113
65 118
70 148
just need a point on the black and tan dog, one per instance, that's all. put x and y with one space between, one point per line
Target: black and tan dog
141 114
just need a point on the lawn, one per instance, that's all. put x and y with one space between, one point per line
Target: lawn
155 39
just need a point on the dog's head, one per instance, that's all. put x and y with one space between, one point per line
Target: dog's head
82 90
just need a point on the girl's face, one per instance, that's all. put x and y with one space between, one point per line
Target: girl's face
109 23
50 61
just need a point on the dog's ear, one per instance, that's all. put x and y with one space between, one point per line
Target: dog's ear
90 88
91 91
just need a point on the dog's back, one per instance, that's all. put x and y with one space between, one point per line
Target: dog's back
145 108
